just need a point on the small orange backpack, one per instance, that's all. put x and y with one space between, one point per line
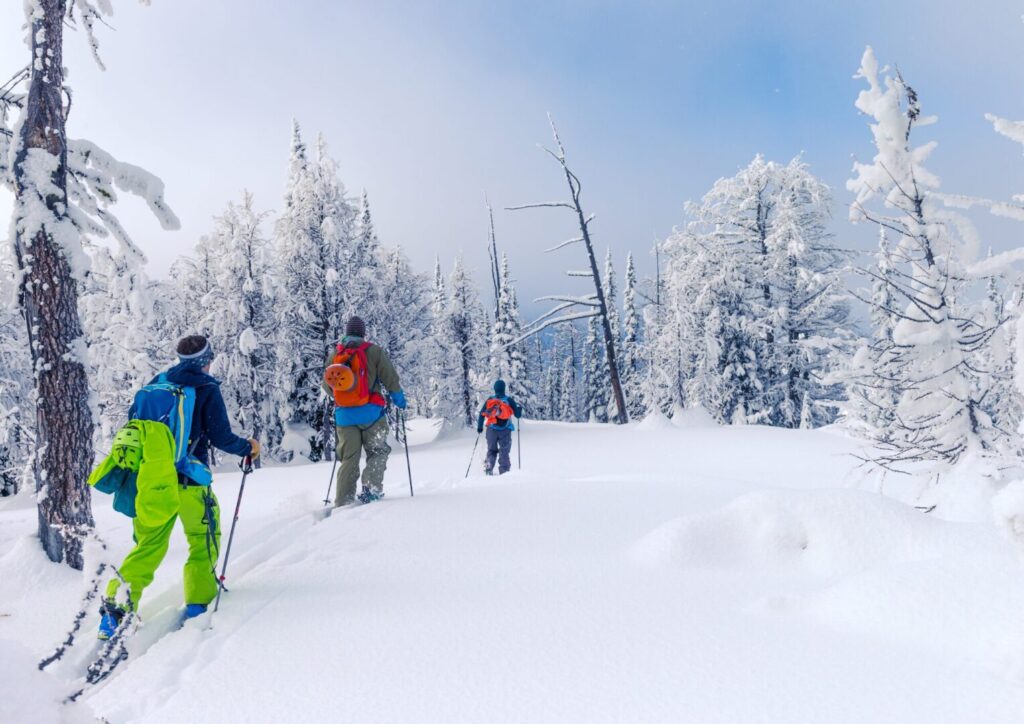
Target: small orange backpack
348 377
497 410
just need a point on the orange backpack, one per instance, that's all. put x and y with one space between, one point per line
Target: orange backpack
348 377
497 410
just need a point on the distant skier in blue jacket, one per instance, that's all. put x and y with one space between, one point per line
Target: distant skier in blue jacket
497 413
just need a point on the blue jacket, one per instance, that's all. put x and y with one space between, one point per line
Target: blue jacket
210 424
507 424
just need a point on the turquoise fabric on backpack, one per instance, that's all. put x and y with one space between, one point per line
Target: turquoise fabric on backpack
123 485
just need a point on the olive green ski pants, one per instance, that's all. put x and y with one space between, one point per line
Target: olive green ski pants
352 440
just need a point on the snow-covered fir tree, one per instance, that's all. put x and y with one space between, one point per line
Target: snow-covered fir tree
401 323
937 336
465 327
611 291
757 314
508 358
242 327
125 349
595 377
631 369
312 240
872 399
16 412
442 381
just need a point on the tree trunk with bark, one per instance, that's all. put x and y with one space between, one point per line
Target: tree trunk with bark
49 297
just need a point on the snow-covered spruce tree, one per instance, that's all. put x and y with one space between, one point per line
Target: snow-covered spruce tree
312 239
17 414
465 324
930 365
611 289
595 390
508 359
727 378
812 330
594 305
673 329
755 296
631 345
552 377
125 349
536 400
995 388
190 280
359 278
62 190
242 326
442 383
569 403
402 323
872 398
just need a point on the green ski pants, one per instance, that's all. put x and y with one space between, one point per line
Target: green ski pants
200 517
352 440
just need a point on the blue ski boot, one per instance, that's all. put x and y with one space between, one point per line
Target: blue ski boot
366 495
111 616
194 609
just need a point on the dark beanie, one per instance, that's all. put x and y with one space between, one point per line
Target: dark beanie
499 388
355 327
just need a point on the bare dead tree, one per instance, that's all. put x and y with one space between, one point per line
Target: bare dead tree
492 252
566 308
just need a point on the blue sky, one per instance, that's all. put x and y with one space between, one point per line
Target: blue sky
429 105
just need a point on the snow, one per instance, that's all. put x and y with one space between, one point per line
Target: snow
651 572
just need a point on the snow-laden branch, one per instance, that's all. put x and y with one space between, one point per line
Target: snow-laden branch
543 205
589 300
1014 130
583 273
563 244
85 157
994 264
551 323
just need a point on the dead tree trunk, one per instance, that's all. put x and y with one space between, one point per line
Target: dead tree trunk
492 252
597 300
49 299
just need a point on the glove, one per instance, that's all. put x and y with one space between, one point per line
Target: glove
254 444
399 399
479 429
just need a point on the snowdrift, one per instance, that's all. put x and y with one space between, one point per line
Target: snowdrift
827 533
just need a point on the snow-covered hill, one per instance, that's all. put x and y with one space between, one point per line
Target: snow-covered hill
661 572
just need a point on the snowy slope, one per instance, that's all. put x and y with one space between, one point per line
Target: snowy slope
655 573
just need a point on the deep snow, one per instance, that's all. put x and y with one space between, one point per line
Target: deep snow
662 572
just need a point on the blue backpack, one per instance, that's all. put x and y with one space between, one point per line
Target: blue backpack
173 405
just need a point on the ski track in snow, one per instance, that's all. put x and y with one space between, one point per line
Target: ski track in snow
661 572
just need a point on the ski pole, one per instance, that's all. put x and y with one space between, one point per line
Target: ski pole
405 441
330 482
519 442
472 454
246 466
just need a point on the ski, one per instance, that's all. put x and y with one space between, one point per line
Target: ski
83 611
113 652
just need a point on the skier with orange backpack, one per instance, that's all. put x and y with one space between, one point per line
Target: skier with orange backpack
357 374
497 413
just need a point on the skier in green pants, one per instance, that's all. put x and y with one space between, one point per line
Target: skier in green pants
178 417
